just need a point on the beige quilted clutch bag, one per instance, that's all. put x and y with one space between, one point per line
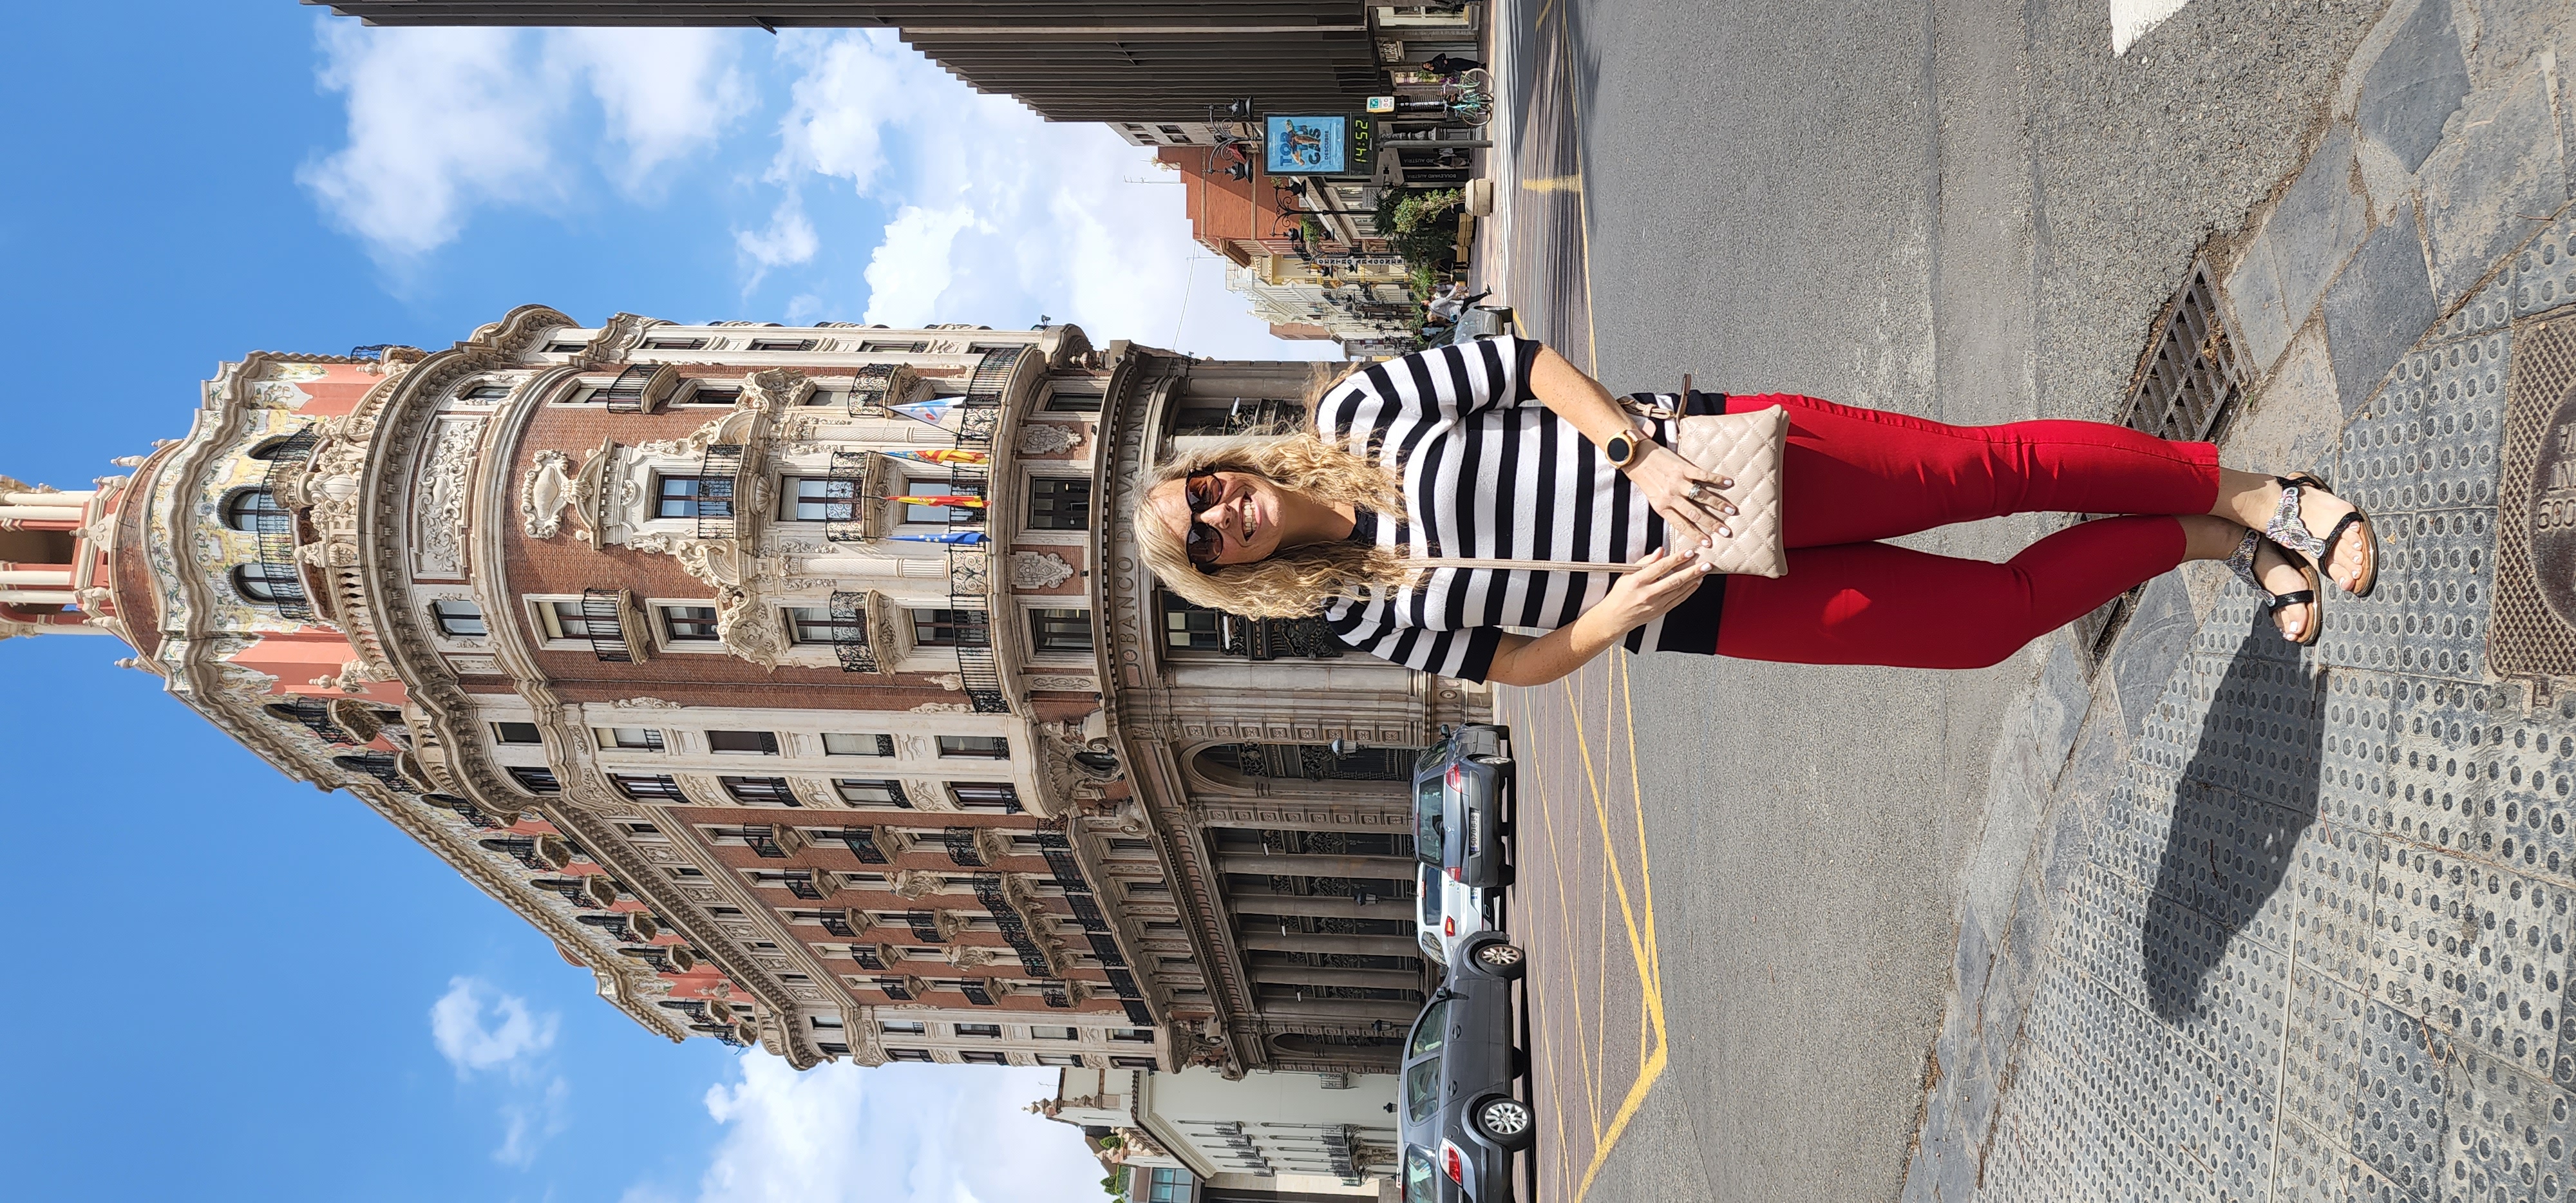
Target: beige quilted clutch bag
1745 448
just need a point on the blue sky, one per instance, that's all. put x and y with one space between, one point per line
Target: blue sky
254 990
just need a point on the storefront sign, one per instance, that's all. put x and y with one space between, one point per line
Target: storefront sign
1335 145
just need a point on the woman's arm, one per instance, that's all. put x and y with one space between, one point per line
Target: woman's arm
1633 601
1660 471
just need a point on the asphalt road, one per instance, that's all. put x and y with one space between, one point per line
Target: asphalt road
1970 212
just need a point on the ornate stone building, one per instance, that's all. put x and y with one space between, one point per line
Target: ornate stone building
801 683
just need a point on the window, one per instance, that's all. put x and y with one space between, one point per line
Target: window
642 786
817 499
1132 1035
565 348
485 392
1059 1058
254 583
951 628
1048 1033
831 1048
743 743
815 625
1065 401
760 791
1060 630
1122 843
1191 628
882 347
457 618
909 1027
536 781
940 514
1148 887
985 795
641 739
858 791
782 344
517 733
677 496
1059 503
251 508
675 344
689 624
640 829
858 745
976 747
1168 1185
1174 133
268 448
1133 1063
712 394
981 1031
564 620
907 1054
982 1056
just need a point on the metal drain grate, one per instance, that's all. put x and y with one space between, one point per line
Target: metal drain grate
2533 628
2186 388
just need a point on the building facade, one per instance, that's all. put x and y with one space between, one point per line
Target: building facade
1278 1137
799 682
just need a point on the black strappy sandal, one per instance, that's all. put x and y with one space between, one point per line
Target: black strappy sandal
2290 529
2242 564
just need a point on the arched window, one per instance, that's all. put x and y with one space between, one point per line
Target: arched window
267 448
250 509
255 584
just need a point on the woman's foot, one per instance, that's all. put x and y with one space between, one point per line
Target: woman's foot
2289 587
2323 528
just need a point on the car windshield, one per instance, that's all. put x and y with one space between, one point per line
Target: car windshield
1427 884
1422 1090
1421 1178
1427 1030
1429 800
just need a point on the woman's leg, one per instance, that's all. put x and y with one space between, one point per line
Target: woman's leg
1872 603
1857 475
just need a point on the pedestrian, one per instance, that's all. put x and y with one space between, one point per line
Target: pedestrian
1498 447
1450 64
1445 307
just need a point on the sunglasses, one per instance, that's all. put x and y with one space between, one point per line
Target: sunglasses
1200 491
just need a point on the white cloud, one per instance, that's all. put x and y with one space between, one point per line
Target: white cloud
891 1134
912 268
480 1031
456 1022
850 87
788 240
443 120
664 93
439 120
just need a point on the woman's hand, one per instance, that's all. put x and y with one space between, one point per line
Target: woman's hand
1668 479
1640 597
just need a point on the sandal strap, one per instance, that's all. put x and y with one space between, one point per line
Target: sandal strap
2290 530
2296 597
2241 561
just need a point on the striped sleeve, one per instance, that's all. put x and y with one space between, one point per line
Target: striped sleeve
1371 627
1453 382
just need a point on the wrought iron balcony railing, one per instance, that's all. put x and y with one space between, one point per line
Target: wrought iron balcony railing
1057 997
862 843
838 923
868 956
850 633
278 568
845 498
925 926
314 715
801 883
867 397
896 988
603 622
763 842
962 849
979 670
626 394
717 475
975 992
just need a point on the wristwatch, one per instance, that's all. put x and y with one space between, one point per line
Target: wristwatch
1623 448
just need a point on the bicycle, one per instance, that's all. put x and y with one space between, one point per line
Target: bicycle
1470 96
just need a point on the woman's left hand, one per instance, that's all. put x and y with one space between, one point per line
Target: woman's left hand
1669 482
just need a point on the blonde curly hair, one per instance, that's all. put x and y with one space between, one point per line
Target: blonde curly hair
1293 582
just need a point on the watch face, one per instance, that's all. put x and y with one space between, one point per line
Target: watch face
1620 448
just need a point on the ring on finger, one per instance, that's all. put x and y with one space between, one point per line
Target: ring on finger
1694 492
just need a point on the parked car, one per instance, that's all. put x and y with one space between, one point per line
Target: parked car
1461 1117
1463 790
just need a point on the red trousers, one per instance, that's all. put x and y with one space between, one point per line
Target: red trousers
1858 475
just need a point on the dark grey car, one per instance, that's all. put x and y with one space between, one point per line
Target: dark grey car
1462 1118
1463 792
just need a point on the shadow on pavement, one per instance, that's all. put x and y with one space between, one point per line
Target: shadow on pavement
2239 807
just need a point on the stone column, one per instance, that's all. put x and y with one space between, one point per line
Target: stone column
1263 902
1318 864
1365 946
1339 1010
1320 975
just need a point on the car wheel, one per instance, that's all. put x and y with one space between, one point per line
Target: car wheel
1506 1121
1501 958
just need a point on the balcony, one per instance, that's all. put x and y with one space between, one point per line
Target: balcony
862 843
1058 997
538 853
925 926
964 849
803 884
314 715
975 992
843 923
633 392
1066 871
717 475
631 926
603 622
877 385
845 497
279 568
849 612
763 843
664 958
970 590
870 956
900 989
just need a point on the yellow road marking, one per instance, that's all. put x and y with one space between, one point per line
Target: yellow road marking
1565 923
1553 183
1647 976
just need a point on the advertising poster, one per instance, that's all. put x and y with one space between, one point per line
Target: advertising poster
1308 146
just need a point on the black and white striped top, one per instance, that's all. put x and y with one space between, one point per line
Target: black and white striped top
1489 471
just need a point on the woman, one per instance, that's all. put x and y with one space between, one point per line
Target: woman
1499 447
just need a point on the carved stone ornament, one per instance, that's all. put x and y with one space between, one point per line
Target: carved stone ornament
645 704
1065 684
940 708
1047 438
438 509
1038 570
544 494
914 884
